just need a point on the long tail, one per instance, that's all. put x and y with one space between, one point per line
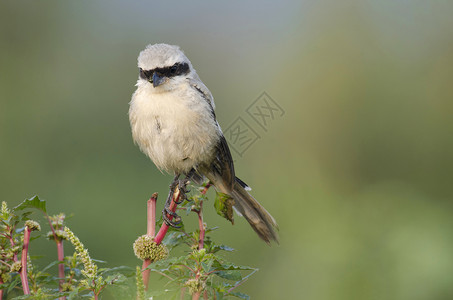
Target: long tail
257 216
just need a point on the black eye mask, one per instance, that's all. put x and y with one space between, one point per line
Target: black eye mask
172 71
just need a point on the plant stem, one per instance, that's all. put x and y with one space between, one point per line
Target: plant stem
150 231
11 240
60 252
1 291
151 222
23 271
164 228
201 226
206 188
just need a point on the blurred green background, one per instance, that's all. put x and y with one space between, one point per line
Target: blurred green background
358 172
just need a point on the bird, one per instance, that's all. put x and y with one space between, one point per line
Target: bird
173 121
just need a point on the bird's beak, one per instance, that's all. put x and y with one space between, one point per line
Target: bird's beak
157 79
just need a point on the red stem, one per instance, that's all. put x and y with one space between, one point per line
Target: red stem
12 245
1 291
201 226
206 188
196 295
60 251
146 273
164 228
151 224
23 271
150 231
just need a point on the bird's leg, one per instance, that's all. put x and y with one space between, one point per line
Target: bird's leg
167 212
182 185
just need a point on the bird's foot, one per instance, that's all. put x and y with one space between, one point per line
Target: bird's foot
166 213
183 191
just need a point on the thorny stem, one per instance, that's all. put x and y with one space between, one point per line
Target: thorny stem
150 231
164 228
23 270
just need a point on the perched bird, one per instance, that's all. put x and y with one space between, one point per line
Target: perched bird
173 122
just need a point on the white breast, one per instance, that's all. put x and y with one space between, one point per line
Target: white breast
174 128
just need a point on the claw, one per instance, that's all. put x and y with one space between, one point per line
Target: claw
175 223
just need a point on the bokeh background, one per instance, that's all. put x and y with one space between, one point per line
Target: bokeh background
358 171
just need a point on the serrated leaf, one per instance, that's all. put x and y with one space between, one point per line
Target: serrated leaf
224 206
216 248
217 265
115 279
33 202
121 270
174 239
167 262
240 295
230 274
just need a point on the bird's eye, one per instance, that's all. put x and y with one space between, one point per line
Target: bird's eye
174 68
142 73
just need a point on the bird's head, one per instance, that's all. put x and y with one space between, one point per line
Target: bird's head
163 66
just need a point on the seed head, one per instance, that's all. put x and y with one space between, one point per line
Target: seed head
146 248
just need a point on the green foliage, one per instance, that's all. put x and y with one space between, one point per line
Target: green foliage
200 271
82 277
224 206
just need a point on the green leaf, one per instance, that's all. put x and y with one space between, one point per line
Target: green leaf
217 265
216 248
56 262
230 274
240 295
33 202
167 262
224 206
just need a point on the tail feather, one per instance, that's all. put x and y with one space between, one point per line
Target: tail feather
257 216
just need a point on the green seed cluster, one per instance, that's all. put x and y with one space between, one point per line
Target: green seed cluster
16 266
5 209
60 234
32 225
146 248
195 285
57 221
89 268
140 284
66 287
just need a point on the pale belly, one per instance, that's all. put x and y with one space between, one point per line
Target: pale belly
177 135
